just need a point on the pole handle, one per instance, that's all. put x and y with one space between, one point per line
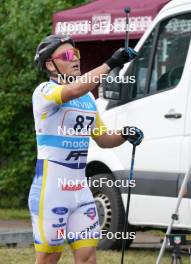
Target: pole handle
127 10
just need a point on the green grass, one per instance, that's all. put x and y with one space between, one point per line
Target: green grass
27 256
8 214
156 232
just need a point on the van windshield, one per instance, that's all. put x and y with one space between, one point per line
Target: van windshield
162 57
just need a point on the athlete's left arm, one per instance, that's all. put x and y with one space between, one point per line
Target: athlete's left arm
108 140
104 137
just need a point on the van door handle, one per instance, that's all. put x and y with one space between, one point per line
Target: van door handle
174 115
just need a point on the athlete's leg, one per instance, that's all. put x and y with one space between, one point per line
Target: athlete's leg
49 217
86 255
83 229
47 258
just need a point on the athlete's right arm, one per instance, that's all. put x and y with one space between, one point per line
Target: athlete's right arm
50 94
84 83
79 87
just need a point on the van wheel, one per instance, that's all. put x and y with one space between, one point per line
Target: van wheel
110 210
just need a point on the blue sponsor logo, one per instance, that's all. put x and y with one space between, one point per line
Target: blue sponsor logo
60 210
91 227
61 224
36 241
56 242
58 225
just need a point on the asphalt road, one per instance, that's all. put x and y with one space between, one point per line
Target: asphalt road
143 239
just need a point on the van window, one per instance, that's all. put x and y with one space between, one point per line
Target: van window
170 54
139 69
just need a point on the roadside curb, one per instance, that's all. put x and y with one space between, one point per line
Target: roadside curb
14 239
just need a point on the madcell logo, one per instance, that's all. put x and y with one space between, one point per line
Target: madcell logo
91 213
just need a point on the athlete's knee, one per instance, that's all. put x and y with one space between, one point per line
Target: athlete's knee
47 258
86 260
91 259
86 257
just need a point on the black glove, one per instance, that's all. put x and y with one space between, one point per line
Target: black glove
120 57
133 134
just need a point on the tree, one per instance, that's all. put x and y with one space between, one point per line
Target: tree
23 24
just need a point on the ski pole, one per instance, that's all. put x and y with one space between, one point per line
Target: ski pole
128 201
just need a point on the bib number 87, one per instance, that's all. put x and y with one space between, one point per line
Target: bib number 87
79 125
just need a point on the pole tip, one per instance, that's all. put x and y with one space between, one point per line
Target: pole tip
127 9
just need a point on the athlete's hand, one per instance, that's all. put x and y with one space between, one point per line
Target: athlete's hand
120 57
133 134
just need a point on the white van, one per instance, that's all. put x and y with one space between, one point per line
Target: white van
159 103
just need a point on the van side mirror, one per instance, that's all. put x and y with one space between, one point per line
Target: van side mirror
111 86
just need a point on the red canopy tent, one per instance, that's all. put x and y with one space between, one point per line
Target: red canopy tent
105 19
99 26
